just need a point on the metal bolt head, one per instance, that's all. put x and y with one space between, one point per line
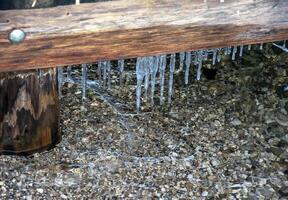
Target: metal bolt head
17 36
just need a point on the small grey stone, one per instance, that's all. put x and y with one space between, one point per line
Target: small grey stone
236 122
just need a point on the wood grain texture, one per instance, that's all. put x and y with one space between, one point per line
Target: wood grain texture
128 28
29 112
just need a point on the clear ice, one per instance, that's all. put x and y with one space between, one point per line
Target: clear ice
60 80
261 46
171 77
148 68
187 65
241 51
214 56
68 74
147 62
162 69
140 74
154 70
199 57
182 59
234 52
121 64
84 81
108 63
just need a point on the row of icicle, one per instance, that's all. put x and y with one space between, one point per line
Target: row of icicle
151 71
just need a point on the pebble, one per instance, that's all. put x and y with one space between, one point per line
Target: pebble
204 194
236 122
40 190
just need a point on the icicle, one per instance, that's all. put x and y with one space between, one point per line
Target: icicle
241 51
104 69
219 56
182 58
147 64
140 73
284 43
154 69
84 80
121 69
214 56
40 73
199 61
229 50
234 52
226 51
261 46
205 55
68 75
99 70
162 77
172 68
249 47
187 64
109 74
60 81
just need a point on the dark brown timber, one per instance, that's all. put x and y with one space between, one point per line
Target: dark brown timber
129 28
29 112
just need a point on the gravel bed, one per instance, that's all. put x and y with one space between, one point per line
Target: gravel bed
224 137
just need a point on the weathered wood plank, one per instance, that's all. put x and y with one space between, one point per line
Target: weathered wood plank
129 28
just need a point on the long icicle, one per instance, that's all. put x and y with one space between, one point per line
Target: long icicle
162 77
200 62
121 64
182 59
140 73
146 62
241 51
219 56
187 69
60 80
249 47
234 52
68 75
154 70
261 46
171 77
214 56
84 81
99 69
104 69
109 74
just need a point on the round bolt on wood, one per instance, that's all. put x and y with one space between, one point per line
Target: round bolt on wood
17 36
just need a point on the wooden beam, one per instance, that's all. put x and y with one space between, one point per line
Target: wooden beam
129 28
